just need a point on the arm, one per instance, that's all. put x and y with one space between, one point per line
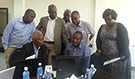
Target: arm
123 41
98 41
91 31
64 34
6 34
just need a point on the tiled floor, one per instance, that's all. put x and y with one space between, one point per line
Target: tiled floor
2 65
2 61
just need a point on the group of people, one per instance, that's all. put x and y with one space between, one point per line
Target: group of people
70 36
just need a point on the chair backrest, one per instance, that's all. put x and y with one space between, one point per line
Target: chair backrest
7 73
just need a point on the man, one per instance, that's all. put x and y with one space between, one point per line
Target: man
67 16
79 25
79 50
18 32
29 55
52 28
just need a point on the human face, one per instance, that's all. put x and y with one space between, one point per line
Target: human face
52 13
76 40
67 14
75 18
39 41
28 17
108 20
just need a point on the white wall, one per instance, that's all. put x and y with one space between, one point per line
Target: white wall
85 7
126 15
7 4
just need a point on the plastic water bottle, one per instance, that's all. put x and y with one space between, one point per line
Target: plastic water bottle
90 72
39 71
48 75
26 74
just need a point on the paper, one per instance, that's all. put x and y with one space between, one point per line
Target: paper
73 77
111 61
31 57
48 68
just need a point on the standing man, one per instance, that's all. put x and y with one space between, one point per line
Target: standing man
79 25
52 28
67 16
17 33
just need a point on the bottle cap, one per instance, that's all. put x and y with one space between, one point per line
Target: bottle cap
39 64
25 68
92 65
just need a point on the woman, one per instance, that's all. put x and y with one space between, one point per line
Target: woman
112 42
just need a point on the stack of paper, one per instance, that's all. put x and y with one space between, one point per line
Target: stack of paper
111 61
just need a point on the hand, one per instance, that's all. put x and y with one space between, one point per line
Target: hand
122 58
90 45
98 52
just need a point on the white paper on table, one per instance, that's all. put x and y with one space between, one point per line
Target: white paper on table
111 61
31 57
73 77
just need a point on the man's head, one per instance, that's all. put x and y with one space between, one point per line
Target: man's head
75 17
52 10
77 37
29 16
37 38
67 15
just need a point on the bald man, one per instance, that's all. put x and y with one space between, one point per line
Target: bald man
35 48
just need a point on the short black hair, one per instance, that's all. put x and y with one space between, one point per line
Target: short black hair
111 12
77 12
67 11
51 6
29 11
78 32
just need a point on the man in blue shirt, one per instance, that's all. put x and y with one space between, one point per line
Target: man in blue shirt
18 32
79 50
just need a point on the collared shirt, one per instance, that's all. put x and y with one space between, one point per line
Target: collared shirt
36 50
17 33
81 50
49 35
84 27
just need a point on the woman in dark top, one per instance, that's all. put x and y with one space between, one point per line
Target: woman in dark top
112 42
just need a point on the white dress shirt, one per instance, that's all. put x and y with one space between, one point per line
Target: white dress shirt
49 35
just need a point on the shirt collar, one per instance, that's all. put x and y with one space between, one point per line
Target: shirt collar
80 46
80 24
21 20
51 19
35 48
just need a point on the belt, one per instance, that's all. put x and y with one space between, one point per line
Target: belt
49 42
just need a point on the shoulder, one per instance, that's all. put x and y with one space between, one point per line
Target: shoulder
69 45
60 19
84 22
27 45
15 20
44 18
120 25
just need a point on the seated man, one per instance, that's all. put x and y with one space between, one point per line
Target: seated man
78 49
21 57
